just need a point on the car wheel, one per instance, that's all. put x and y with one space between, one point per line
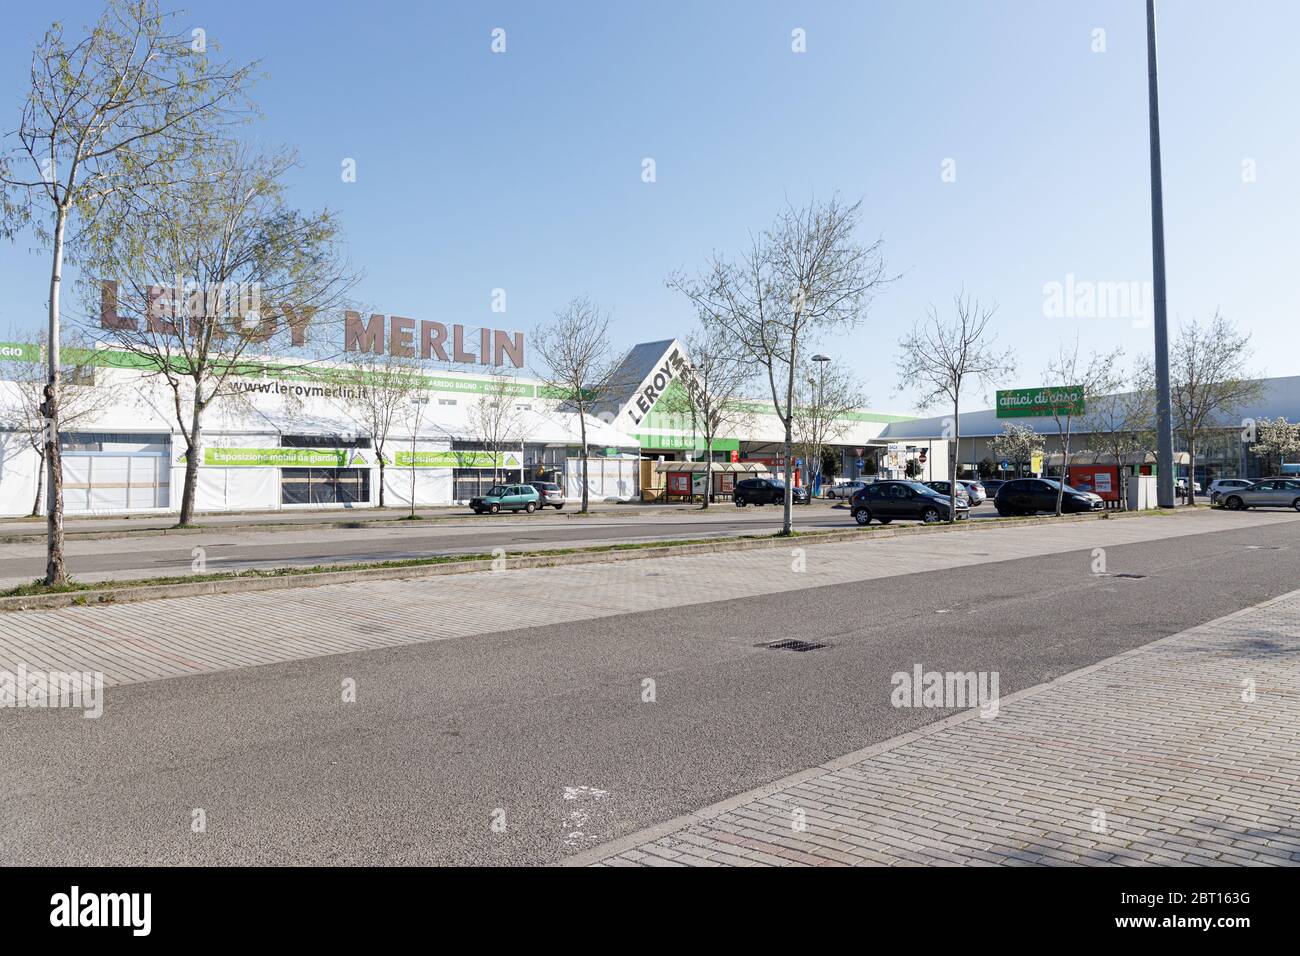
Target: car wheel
740 502
558 507
530 507
1296 504
884 520
493 509
930 515
477 511
862 516
1234 504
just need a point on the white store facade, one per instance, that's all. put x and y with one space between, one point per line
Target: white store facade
288 443
294 439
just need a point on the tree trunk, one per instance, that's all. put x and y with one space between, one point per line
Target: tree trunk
1191 472
40 484
193 451
952 462
190 485
708 475
1065 473
56 572
582 428
380 455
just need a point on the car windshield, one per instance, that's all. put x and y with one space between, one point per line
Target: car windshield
917 486
548 486
497 491
1052 484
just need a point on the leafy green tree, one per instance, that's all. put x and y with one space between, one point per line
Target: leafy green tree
106 116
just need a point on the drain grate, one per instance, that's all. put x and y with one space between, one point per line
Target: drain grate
1129 575
799 646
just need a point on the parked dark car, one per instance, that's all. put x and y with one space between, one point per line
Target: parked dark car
765 491
991 486
1027 496
506 498
884 501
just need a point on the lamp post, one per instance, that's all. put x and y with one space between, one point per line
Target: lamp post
1164 416
418 405
821 361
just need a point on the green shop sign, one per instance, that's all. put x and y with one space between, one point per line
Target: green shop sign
456 459
278 457
1039 402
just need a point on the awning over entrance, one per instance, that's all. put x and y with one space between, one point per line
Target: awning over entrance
1104 458
719 467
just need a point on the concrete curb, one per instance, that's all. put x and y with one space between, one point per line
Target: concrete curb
711 812
126 592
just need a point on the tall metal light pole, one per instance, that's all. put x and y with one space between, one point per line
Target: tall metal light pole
821 361
1164 415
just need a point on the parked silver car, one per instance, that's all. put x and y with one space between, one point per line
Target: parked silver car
975 489
1269 493
1221 486
845 489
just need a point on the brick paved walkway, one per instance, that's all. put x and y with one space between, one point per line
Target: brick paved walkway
1149 758
173 638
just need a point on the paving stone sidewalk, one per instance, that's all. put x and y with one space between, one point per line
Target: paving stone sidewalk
1152 757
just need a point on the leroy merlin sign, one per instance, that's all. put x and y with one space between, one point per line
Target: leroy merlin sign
1037 402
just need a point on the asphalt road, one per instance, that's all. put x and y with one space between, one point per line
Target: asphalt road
444 734
229 550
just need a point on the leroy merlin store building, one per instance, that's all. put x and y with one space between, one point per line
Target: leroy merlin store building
293 439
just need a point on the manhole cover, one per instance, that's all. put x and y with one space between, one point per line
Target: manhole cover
799 646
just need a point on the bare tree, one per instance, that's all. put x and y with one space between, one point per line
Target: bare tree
576 364
1081 382
250 276
1208 382
495 419
376 391
82 399
715 382
825 394
104 116
805 277
1276 439
1017 443
1123 423
938 358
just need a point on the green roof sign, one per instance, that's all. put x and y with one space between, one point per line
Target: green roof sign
1040 402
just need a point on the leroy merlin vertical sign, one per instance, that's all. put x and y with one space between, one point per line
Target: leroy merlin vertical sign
1038 402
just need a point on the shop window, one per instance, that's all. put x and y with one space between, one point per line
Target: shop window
472 482
320 486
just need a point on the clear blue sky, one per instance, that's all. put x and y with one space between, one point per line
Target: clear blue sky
523 170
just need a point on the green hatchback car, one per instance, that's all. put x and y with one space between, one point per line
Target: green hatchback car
506 498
